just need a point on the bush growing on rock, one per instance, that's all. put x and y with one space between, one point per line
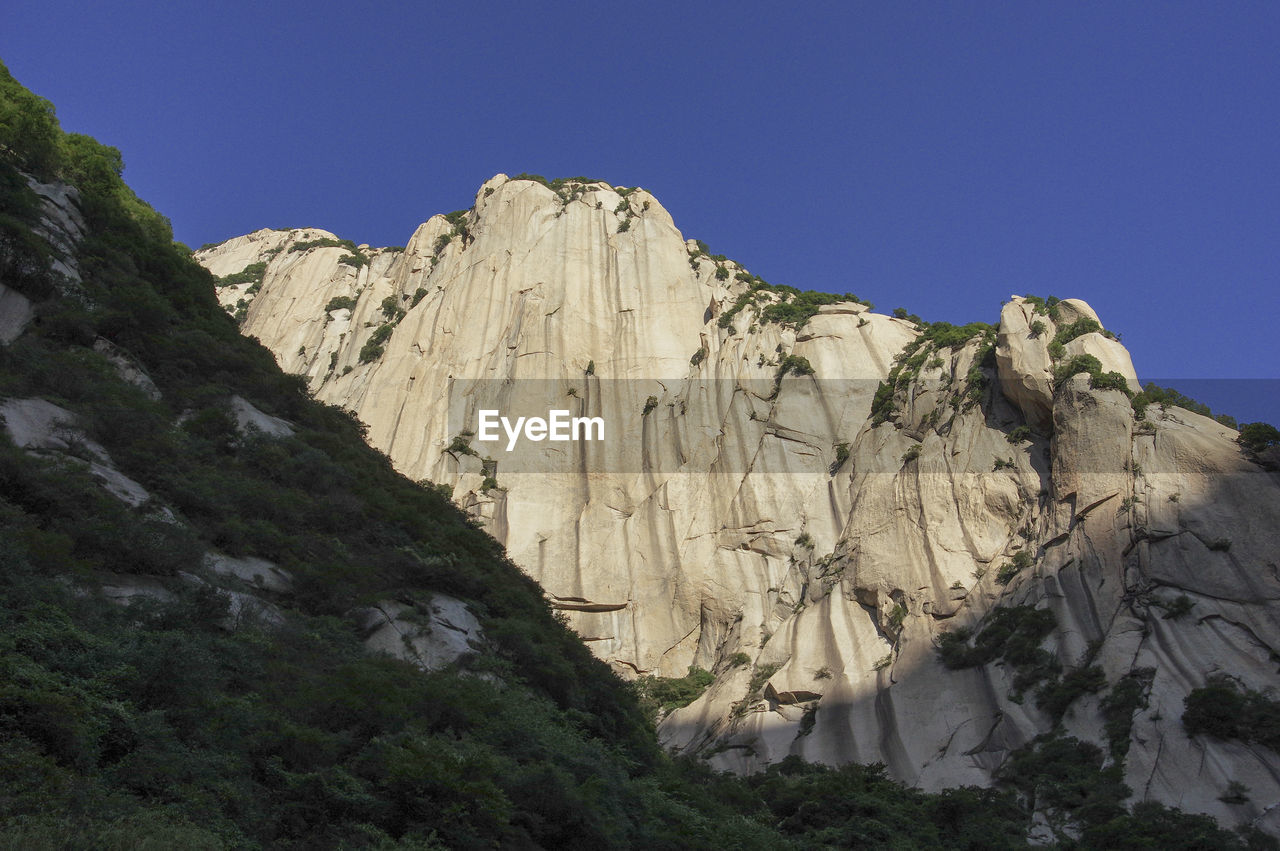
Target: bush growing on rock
1057 695
251 274
1022 559
1080 363
663 694
795 365
1110 381
842 455
1045 306
1083 325
1019 434
325 242
1224 710
1258 436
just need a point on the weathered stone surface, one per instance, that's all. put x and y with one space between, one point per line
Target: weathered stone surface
123 589
1113 356
16 313
242 609
38 425
1023 364
430 635
716 529
257 572
61 225
250 420
127 368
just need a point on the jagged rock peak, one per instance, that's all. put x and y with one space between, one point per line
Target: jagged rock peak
802 496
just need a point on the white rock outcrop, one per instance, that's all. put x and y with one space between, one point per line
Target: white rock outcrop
251 570
770 528
127 367
430 635
250 420
38 425
61 226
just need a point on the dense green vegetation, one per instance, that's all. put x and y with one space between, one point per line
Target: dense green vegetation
782 304
1010 634
1153 394
1092 367
926 351
662 694
857 806
1125 698
171 723
1071 782
795 365
458 228
325 242
1020 561
1044 306
1083 325
251 274
1013 635
842 455
1224 710
1258 436
391 309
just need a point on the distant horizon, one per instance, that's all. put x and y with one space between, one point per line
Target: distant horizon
937 159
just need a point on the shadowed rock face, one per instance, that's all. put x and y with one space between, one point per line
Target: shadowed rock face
723 520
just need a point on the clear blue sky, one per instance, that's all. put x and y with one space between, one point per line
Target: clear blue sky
934 156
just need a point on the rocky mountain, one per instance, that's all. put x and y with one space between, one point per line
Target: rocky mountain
226 622
947 549
973 553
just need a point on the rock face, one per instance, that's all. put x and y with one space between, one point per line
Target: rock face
429 635
16 312
761 511
40 426
62 227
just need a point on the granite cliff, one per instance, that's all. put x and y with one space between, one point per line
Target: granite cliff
889 541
